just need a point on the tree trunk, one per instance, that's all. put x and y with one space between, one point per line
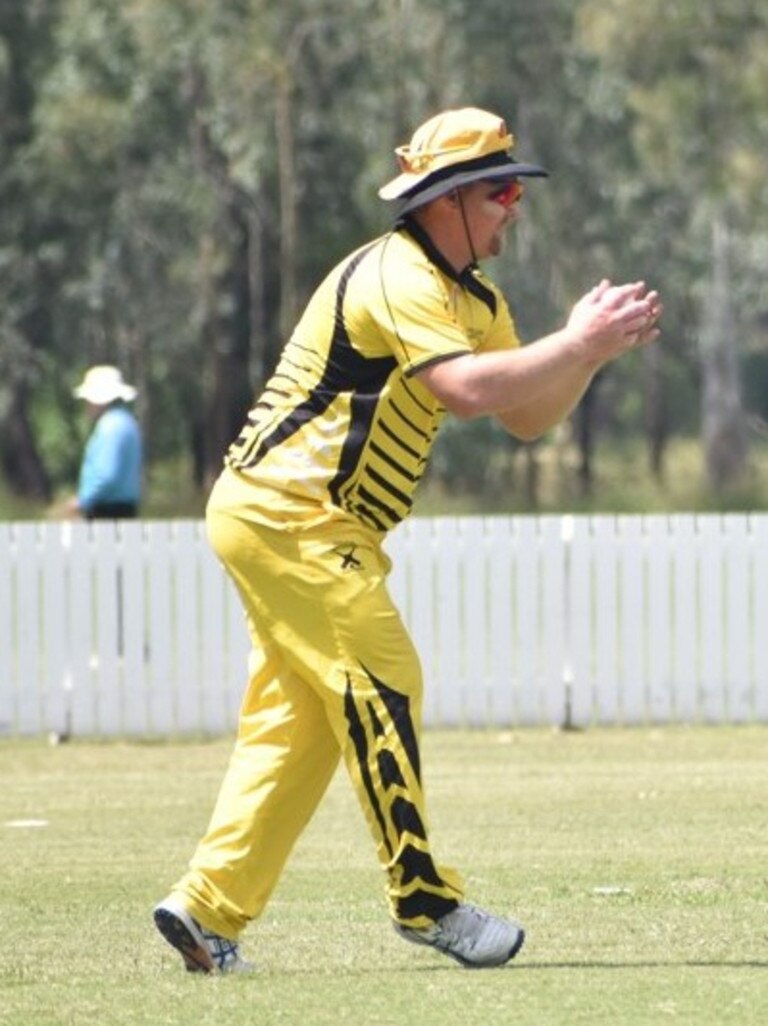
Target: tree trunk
286 161
655 410
227 343
532 477
225 288
584 430
723 421
19 456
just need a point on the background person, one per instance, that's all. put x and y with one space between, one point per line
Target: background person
400 331
110 480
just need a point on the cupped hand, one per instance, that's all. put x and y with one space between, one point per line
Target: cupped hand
610 319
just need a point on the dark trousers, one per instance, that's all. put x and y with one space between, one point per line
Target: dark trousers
113 511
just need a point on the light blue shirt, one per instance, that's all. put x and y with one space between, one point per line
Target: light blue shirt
112 461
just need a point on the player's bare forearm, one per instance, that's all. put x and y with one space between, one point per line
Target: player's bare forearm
485 384
533 418
606 322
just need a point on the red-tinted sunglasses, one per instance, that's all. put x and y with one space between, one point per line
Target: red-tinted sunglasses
508 193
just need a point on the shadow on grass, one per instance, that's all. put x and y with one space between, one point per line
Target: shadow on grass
671 964
519 967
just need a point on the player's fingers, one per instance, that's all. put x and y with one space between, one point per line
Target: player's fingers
619 295
635 317
599 290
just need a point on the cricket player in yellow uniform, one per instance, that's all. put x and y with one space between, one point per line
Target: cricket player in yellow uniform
403 330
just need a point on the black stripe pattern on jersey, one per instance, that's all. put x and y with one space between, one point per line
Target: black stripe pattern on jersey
373 494
386 755
345 371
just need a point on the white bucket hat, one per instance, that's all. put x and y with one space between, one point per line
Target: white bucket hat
103 385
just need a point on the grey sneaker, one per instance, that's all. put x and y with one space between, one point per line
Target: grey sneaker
202 950
471 936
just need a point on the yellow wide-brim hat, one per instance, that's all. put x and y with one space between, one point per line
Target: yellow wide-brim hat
453 149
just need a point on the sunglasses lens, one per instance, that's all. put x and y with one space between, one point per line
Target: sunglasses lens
508 194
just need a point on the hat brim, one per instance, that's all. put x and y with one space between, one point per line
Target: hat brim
106 396
425 193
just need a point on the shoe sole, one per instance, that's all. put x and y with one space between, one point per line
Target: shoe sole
492 965
180 936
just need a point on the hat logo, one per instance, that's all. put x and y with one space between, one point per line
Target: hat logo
413 162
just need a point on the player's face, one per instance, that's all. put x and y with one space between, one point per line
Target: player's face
490 207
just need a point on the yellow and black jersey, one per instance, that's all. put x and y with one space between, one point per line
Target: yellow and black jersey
344 426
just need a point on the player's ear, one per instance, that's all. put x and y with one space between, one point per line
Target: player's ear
450 199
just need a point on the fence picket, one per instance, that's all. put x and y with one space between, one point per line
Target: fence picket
186 630
552 628
82 646
578 595
8 606
55 650
659 608
712 692
684 618
737 676
499 630
110 688
527 599
759 617
632 630
162 703
28 642
132 617
606 616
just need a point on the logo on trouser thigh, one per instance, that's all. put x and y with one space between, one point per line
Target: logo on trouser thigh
346 554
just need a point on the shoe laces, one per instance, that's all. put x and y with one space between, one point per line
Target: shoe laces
224 952
455 928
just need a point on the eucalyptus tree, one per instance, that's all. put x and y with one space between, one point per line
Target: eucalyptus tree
695 75
30 256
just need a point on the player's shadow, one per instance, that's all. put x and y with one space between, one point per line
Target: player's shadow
672 963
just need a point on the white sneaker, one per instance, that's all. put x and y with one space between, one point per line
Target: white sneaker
471 936
202 950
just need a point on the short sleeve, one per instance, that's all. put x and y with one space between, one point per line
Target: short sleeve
417 317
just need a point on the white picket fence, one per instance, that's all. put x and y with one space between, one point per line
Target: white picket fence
131 628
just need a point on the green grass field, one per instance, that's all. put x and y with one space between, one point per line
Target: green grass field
638 860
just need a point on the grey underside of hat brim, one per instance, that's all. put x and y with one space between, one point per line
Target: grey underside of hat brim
488 174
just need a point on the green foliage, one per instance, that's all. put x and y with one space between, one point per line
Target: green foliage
542 479
176 176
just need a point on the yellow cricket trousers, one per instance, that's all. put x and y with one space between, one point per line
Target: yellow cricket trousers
333 673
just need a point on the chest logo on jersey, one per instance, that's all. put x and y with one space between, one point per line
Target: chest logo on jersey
349 560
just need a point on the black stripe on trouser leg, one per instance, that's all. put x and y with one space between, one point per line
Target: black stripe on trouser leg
360 741
398 707
422 903
378 730
389 771
401 814
406 818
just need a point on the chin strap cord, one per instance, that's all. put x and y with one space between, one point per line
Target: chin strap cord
466 228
